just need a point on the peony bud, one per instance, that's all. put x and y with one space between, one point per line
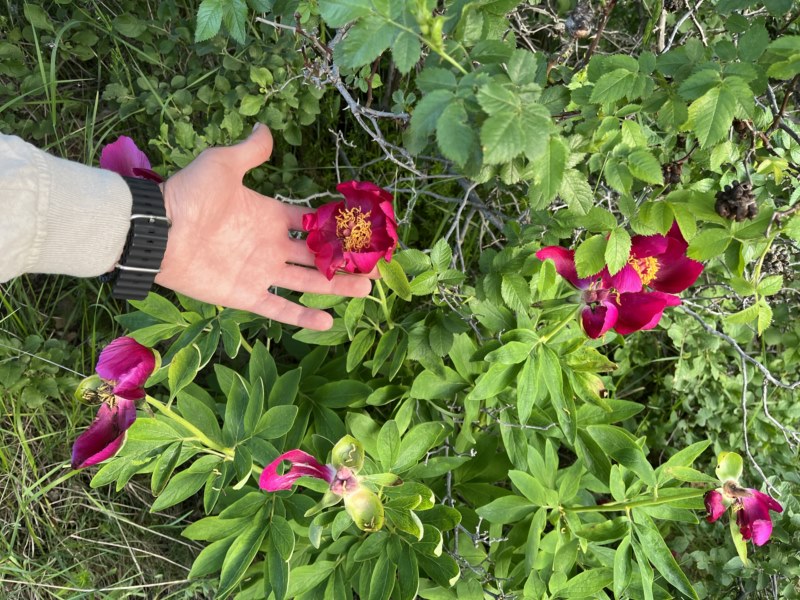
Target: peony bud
366 510
348 452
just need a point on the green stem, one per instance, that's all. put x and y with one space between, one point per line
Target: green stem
625 506
548 336
201 437
383 304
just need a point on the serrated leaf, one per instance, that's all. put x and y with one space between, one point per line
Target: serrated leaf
209 20
234 17
516 292
764 316
548 169
338 13
618 249
365 41
495 98
613 86
644 166
501 138
708 244
590 256
456 138
711 115
576 191
406 51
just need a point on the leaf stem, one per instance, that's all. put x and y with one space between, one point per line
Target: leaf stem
637 503
383 303
202 437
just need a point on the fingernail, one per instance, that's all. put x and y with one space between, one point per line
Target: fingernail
256 126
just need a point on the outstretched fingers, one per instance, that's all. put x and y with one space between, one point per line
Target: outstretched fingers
283 310
302 279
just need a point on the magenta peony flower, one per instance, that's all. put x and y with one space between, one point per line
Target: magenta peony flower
125 158
353 234
123 367
750 506
606 306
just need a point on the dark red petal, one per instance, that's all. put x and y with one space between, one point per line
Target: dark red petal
626 280
643 246
105 435
363 262
303 465
565 264
676 272
639 311
598 319
147 174
122 156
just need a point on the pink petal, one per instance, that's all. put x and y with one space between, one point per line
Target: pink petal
123 156
766 500
639 311
675 234
626 280
714 505
362 262
147 174
303 465
353 190
105 435
598 319
128 364
565 264
761 531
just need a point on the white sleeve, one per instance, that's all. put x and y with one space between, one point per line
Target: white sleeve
57 216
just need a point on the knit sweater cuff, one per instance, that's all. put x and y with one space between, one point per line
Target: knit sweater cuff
85 222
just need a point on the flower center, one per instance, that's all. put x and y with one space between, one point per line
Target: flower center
103 393
353 228
647 268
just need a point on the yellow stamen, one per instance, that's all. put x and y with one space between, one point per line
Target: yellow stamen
353 228
104 393
647 268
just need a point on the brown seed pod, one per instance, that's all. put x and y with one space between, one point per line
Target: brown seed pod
580 21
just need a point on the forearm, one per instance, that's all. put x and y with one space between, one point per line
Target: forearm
58 216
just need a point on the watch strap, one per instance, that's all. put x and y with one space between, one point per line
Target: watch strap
146 243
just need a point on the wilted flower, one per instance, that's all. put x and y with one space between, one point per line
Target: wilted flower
353 234
750 506
122 368
125 158
620 301
362 504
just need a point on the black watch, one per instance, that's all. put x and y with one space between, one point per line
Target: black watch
141 258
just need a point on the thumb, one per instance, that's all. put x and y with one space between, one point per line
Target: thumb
253 151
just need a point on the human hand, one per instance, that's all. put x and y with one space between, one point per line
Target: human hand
228 244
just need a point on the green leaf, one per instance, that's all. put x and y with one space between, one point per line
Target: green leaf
501 138
586 584
533 490
185 483
711 115
361 344
382 580
456 138
708 244
365 41
516 292
165 465
618 249
159 308
576 191
276 571
657 551
441 255
548 169
644 166
183 369
506 509
210 558
394 276
622 566
241 554
511 353
406 51
437 386
251 105
338 13
495 98
37 16
388 444
563 404
427 112
613 86
234 17
209 20
306 578
416 443
590 256
199 415
622 447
